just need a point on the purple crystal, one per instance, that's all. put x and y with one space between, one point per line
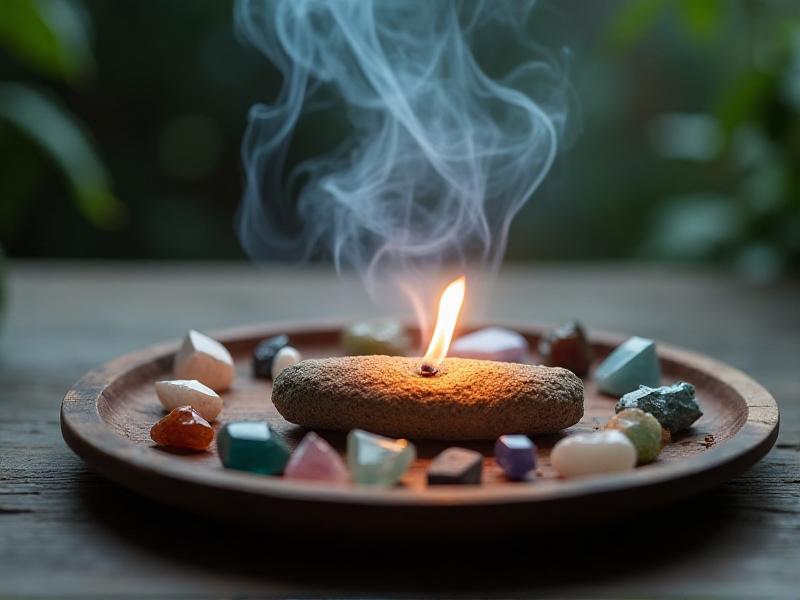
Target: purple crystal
516 455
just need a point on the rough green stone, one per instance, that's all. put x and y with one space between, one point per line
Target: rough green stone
642 429
377 460
252 446
383 337
674 406
631 364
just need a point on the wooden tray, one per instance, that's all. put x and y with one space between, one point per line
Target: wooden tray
107 416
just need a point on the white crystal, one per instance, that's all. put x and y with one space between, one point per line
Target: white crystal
205 360
492 343
377 460
183 392
286 357
590 453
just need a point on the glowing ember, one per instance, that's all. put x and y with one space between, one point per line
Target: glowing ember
449 307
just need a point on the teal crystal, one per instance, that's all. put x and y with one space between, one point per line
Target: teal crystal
675 406
630 365
252 446
377 460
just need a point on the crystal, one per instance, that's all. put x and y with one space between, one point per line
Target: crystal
285 357
456 466
381 337
265 353
642 429
184 428
205 360
674 406
630 365
189 392
516 455
567 347
590 453
252 446
377 460
492 343
315 459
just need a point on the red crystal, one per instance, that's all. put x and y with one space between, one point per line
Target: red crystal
567 347
183 428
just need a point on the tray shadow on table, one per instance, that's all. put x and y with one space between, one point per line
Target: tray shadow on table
642 543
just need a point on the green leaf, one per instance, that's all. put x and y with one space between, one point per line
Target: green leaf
632 22
55 131
50 36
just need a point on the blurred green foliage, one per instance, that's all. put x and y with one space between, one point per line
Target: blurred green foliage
688 147
51 39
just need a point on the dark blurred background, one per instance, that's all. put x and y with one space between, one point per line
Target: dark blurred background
120 125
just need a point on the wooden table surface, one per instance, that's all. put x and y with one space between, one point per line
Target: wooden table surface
66 532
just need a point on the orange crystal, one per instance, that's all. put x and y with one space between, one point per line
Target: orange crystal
183 428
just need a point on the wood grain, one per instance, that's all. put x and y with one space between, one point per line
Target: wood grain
66 532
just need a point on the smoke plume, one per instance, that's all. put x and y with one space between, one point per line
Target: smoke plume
440 150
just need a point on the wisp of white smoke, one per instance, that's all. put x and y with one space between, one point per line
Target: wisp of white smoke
438 156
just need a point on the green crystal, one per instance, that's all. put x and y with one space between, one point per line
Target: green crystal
382 337
377 460
674 406
252 446
642 429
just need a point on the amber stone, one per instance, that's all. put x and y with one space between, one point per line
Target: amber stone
567 347
183 428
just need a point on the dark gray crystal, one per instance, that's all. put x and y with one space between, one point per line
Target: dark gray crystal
456 466
674 406
265 353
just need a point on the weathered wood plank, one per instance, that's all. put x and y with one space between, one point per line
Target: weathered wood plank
65 531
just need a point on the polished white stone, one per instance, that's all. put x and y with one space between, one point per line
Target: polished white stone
206 360
189 392
286 357
592 453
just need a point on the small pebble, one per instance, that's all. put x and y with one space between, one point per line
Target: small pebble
567 347
592 453
205 360
264 354
183 428
456 466
252 446
285 357
377 460
631 364
314 459
516 455
675 406
666 437
642 429
183 392
381 337
492 343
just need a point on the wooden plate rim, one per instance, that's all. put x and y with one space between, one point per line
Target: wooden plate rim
89 436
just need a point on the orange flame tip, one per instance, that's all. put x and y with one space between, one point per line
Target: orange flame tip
449 307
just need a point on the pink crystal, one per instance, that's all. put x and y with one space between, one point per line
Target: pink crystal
316 460
493 343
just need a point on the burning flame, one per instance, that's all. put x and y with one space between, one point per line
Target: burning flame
449 306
